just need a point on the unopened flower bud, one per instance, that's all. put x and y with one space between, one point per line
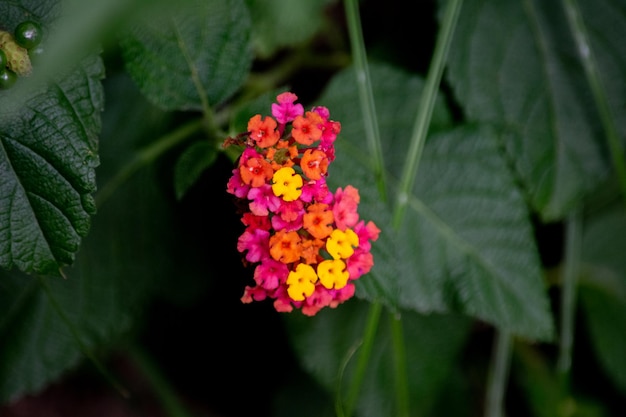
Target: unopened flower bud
18 60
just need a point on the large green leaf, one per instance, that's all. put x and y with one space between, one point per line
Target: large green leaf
197 57
48 156
515 65
120 264
603 289
466 243
325 342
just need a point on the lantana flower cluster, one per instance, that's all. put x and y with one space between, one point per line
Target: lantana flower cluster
307 243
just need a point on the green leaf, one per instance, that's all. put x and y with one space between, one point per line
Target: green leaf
285 23
324 342
514 65
28 318
191 164
603 289
468 213
117 269
196 58
122 262
466 243
48 156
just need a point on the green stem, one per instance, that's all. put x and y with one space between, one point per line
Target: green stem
585 52
283 70
568 296
402 378
372 133
342 370
498 374
79 341
146 156
425 110
164 391
366 95
363 359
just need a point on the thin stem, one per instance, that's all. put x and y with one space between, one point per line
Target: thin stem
568 296
401 385
165 392
342 369
363 359
146 156
588 60
366 95
425 110
372 133
79 340
498 374
283 70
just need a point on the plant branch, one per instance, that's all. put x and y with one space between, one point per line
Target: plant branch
342 369
363 359
146 156
568 296
372 133
366 95
425 110
498 374
282 71
399 356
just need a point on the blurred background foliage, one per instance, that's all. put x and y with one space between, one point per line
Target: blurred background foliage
123 293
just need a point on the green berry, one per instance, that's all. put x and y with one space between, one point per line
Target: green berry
7 78
4 61
28 34
36 53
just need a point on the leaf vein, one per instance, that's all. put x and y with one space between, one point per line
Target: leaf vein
450 235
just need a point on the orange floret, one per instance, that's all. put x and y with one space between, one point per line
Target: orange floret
263 131
306 129
314 164
311 250
256 172
285 246
318 220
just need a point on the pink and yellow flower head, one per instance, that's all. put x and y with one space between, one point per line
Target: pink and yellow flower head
308 243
